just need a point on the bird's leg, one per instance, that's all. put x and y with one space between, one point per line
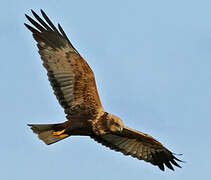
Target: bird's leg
60 134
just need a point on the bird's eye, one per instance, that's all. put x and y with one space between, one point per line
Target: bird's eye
116 124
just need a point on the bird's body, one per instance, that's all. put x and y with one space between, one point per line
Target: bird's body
74 85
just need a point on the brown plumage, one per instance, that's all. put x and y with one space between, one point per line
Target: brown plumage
75 88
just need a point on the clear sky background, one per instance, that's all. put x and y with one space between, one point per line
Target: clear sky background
152 62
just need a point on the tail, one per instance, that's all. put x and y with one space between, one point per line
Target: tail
45 132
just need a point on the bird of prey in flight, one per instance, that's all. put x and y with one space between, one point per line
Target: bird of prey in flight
74 85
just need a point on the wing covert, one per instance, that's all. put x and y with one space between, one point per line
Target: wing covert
140 146
70 76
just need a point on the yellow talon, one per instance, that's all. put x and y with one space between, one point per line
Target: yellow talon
60 134
57 133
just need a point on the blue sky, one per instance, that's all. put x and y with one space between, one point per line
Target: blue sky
152 65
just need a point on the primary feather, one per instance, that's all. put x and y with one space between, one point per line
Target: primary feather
74 85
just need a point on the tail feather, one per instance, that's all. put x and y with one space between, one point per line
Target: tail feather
45 132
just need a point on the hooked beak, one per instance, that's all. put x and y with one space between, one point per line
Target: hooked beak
120 129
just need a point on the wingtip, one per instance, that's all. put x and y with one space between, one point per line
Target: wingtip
175 163
161 166
27 25
32 11
168 164
42 11
177 154
177 158
27 16
60 28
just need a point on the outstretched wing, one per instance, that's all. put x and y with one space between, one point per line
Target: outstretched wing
139 145
70 76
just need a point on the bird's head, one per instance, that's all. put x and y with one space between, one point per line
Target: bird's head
114 123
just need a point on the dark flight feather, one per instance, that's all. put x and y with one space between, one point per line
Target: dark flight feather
74 85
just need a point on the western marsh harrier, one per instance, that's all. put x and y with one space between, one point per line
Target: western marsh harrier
74 85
